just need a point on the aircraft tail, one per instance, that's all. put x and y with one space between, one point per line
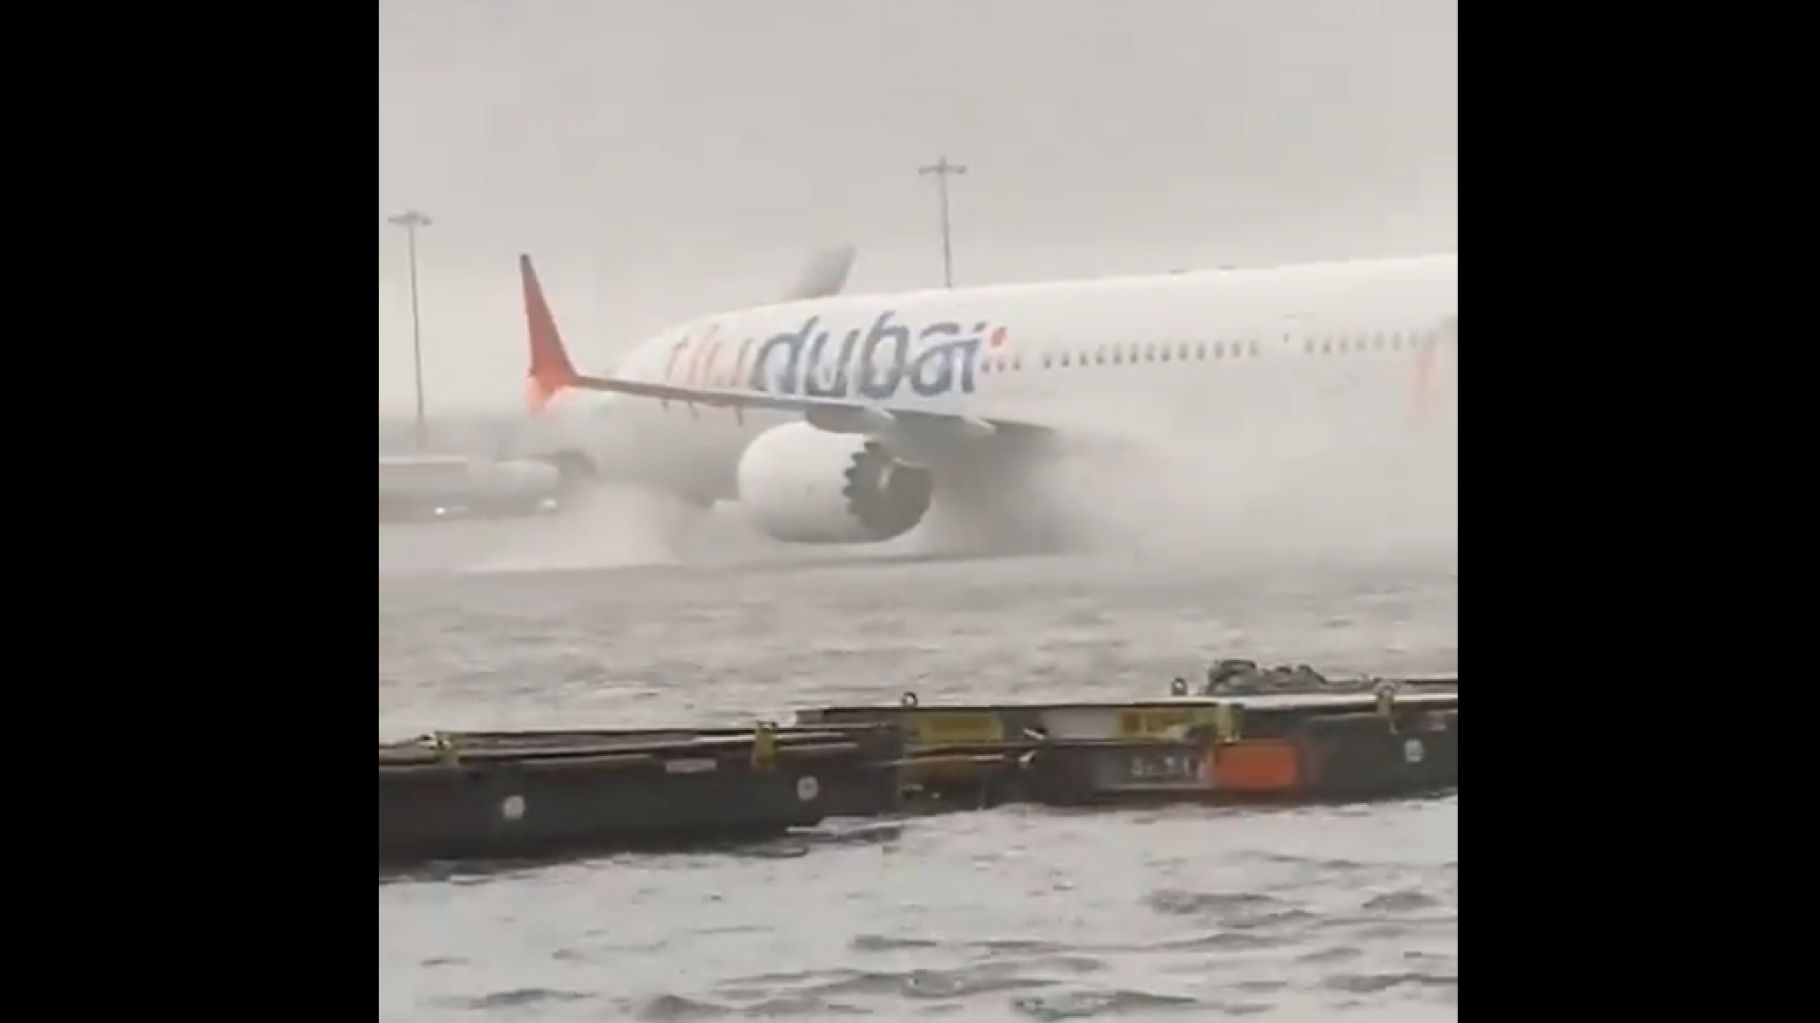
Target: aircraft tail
550 370
825 275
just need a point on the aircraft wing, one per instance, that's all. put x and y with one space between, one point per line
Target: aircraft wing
552 372
832 414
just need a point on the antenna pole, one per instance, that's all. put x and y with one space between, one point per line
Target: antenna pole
411 220
942 170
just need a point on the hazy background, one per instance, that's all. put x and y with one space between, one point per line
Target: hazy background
665 158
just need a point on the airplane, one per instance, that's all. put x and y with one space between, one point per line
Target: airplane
834 418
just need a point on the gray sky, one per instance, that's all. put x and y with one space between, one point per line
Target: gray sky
662 159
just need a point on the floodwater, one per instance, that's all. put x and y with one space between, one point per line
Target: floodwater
1013 914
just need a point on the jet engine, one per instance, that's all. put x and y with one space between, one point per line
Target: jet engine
805 485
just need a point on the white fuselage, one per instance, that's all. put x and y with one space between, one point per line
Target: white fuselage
1342 353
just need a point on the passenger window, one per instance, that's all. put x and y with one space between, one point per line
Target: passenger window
1165 353
1252 349
1118 355
1064 359
1200 350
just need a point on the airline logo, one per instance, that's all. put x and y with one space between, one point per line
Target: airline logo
877 362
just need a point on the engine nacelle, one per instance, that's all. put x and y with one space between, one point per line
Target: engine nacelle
804 485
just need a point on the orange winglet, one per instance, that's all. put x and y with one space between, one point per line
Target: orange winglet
550 369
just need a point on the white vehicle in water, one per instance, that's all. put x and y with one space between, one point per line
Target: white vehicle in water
435 487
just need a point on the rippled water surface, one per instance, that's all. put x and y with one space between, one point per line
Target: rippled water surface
1018 913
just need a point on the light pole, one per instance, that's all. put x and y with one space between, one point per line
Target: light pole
942 169
411 220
